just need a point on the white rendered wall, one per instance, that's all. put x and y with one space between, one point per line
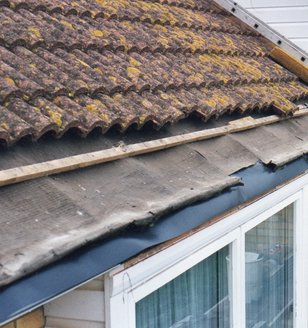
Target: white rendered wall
288 17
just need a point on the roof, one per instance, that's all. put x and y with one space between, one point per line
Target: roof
88 66
103 63
97 258
44 219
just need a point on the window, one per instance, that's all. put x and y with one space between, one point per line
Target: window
269 254
248 270
197 298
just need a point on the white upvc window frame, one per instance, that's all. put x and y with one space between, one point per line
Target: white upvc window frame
125 287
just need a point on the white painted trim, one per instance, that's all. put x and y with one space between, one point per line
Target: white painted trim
238 269
144 270
125 300
264 29
175 269
270 212
127 287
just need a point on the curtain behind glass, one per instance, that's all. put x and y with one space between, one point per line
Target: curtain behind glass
269 272
198 298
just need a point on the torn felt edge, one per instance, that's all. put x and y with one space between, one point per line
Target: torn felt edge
78 267
41 254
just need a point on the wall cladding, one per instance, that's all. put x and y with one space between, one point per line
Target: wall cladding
34 319
80 308
288 17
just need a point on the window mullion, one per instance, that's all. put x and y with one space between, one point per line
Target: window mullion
238 287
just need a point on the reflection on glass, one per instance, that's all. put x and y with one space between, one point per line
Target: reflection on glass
198 298
269 272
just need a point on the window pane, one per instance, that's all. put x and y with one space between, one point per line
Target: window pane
198 298
269 272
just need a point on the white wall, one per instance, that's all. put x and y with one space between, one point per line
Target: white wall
288 17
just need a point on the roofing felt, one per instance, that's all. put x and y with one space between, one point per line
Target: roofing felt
88 64
45 219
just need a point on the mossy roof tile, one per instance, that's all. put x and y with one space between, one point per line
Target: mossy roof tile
99 63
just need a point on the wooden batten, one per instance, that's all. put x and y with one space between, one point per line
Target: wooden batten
34 171
292 64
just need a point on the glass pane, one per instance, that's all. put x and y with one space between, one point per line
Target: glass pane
198 298
269 272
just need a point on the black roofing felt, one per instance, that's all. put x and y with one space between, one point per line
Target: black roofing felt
94 259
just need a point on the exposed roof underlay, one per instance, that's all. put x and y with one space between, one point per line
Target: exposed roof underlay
44 219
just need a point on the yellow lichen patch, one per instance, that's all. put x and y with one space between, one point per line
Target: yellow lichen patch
164 41
91 107
247 68
163 95
211 103
67 24
128 25
142 120
204 58
53 115
10 81
160 28
101 110
222 77
168 17
224 100
108 6
36 109
283 104
82 62
98 70
300 87
133 72
197 78
113 79
134 62
97 33
4 126
35 31
56 118
123 42
147 104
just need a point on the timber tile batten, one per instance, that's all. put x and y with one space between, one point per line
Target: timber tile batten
97 64
34 171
